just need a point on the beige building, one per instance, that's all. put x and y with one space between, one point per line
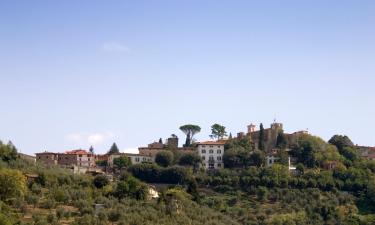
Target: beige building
211 153
134 158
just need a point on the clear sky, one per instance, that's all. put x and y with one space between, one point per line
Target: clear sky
76 73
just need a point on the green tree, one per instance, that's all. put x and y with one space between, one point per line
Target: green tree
4 220
262 193
257 158
312 151
234 157
114 216
12 184
8 152
261 144
281 140
114 149
190 130
283 156
100 181
218 131
164 158
122 162
341 141
91 150
345 147
129 186
190 159
148 172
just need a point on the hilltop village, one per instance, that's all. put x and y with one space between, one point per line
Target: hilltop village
261 176
272 141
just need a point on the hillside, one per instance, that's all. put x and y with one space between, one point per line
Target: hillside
246 192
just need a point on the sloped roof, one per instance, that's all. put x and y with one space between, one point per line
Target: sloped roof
77 152
221 142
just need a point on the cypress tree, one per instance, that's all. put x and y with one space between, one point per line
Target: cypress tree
91 150
261 138
114 149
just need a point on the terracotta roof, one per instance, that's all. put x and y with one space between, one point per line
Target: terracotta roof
134 154
77 152
221 142
40 153
129 154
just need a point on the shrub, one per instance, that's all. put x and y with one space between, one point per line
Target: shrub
146 172
164 158
12 184
100 181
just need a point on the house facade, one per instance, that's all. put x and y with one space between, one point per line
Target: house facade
212 153
47 158
80 158
134 158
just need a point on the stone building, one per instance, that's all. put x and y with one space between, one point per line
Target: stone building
171 144
270 136
47 158
366 152
80 158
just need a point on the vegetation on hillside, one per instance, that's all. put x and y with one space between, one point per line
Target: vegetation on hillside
246 192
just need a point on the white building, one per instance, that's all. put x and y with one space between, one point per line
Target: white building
134 158
211 153
270 160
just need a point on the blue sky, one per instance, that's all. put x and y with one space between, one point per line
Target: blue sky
75 73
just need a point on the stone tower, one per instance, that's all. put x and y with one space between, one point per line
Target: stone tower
172 142
251 128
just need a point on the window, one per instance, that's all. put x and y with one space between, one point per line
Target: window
219 158
211 146
144 159
211 151
211 158
80 155
203 146
204 164
203 157
137 159
218 151
219 165
211 166
203 151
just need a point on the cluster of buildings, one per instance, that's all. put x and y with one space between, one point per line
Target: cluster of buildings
211 152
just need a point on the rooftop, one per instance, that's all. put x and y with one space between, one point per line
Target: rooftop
221 142
77 152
